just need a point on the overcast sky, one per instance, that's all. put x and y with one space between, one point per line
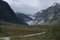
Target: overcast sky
30 6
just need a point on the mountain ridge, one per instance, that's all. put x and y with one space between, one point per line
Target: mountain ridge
7 14
47 16
23 17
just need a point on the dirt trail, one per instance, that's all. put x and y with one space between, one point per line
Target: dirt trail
30 35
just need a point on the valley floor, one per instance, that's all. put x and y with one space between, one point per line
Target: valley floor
11 30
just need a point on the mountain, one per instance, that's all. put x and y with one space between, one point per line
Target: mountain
7 14
48 15
24 17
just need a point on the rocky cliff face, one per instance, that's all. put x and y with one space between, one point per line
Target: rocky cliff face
48 15
7 14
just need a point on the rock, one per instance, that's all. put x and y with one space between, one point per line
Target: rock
48 15
7 14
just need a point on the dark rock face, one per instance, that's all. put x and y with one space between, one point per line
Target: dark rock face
7 14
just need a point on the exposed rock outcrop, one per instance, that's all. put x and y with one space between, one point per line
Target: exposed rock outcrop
48 15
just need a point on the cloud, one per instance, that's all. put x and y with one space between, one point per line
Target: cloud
25 6
32 3
30 6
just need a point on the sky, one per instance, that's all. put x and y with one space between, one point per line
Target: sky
30 6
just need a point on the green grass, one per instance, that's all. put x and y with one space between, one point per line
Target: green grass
10 30
22 30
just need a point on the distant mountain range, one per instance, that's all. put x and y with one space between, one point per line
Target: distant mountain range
43 17
25 18
47 16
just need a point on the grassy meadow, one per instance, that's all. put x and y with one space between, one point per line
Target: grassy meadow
11 30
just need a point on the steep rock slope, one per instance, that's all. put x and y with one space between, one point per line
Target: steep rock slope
7 14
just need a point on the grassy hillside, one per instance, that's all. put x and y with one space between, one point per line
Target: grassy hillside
10 30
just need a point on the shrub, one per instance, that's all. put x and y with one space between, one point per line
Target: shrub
1 30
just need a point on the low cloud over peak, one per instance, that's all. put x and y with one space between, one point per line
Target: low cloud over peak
30 6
